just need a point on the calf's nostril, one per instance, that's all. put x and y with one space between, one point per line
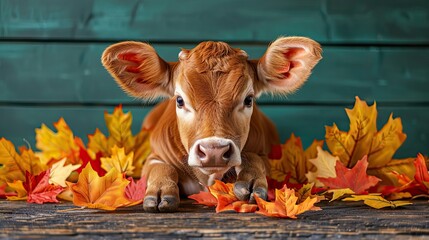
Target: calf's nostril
201 151
227 154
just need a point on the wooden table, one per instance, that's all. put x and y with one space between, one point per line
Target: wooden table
338 219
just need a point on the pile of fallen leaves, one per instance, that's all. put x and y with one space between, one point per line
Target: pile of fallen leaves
103 174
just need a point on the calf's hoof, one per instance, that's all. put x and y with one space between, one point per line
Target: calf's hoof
245 191
166 203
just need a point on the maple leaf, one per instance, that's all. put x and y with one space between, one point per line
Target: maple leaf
377 201
204 198
338 193
285 204
119 127
58 145
325 167
119 160
36 189
364 139
4 194
356 178
222 196
14 166
60 172
107 192
95 163
135 191
294 161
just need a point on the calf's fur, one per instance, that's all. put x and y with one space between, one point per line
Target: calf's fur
209 100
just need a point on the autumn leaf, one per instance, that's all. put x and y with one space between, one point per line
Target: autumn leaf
294 161
119 160
325 167
60 172
377 201
135 191
107 192
36 189
119 127
14 165
285 205
95 163
363 139
338 193
18 187
204 198
62 144
4 194
356 178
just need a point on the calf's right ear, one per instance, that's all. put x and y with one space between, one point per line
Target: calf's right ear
138 69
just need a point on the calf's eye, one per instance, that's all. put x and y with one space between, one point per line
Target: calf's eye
179 102
248 101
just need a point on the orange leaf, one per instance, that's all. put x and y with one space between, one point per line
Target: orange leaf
356 178
135 191
285 205
294 161
14 166
363 139
107 192
204 198
58 145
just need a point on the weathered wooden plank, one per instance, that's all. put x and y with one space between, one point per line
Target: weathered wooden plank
72 73
17 123
337 220
333 21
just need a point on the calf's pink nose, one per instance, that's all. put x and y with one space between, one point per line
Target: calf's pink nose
213 154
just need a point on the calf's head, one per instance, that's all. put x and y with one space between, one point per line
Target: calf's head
214 87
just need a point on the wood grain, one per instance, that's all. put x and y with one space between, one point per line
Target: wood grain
361 22
307 122
72 73
336 220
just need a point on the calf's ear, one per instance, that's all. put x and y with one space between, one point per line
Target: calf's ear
287 64
138 69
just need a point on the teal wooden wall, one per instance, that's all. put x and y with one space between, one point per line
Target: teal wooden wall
378 50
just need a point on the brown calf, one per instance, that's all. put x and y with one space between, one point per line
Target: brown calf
209 123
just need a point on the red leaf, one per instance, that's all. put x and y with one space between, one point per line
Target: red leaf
421 175
135 191
356 178
95 163
276 152
204 198
4 194
39 190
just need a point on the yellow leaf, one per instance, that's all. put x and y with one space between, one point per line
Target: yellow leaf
18 187
402 166
363 139
15 165
294 161
311 152
107 192
57 145
119 161
337 193
59 173
119 126
325 167
98 142
377 201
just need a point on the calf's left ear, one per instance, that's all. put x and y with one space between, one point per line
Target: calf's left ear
287 64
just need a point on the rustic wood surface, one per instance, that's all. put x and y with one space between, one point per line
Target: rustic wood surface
337 219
